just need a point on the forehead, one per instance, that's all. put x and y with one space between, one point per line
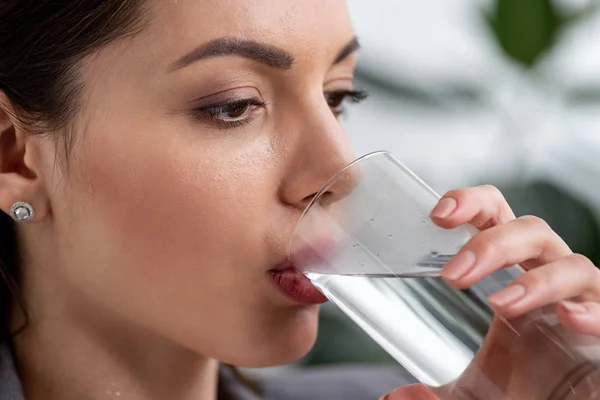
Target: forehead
127 72
306 27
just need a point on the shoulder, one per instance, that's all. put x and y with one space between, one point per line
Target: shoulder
10 387
349 382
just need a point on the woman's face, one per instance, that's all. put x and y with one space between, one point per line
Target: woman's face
175 206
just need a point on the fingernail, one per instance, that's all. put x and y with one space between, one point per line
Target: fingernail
459 266
386 397
508 295
574 308
444 208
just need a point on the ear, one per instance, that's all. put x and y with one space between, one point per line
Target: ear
20 178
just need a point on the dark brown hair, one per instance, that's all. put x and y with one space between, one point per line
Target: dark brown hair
42 43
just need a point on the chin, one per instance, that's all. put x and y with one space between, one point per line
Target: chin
283 344
277 355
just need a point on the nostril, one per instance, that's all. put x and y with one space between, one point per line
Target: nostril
326 198
309 199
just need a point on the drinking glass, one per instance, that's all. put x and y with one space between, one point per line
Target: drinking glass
366 241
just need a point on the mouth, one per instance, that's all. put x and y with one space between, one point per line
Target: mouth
294 285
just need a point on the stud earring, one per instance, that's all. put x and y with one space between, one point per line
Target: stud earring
22 212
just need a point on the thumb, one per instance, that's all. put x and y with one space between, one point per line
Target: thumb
411 392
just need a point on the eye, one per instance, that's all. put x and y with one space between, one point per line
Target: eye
231 114
336 99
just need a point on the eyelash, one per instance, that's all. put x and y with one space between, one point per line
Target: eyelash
244 105
335 100
338 97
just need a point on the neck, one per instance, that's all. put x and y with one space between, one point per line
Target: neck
71 352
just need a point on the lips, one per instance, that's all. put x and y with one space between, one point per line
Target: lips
295 285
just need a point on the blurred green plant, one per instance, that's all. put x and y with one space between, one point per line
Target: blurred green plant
526 29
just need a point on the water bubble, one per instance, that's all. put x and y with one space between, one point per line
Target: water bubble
424 244
434 254
390 236
372 220
356 246
363 263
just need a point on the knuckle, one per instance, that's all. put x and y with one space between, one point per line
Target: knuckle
582 262
486 246
534 222
585 270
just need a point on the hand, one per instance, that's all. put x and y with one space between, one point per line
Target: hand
555 276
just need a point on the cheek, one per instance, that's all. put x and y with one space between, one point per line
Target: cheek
172 194
171 236
167 228
155 202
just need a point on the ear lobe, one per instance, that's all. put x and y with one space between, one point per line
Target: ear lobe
18 181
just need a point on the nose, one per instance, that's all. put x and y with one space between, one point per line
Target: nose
321 149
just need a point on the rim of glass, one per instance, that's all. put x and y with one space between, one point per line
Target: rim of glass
326 187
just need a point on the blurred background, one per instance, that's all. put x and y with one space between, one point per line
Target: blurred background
466 92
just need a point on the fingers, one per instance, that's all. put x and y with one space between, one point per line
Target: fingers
411 392
580 317
564 279
482 206
527 240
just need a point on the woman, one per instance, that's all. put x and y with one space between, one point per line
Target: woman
155 156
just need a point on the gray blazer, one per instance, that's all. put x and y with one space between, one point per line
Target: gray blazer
322 383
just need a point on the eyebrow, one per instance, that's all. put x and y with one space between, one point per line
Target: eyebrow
347 50
263 53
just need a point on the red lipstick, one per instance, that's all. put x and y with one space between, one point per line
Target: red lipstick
295 285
